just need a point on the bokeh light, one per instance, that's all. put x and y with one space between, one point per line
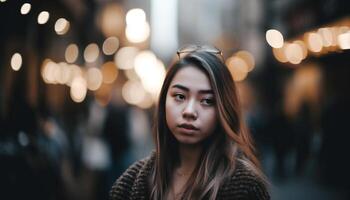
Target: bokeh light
248 59
137 33
16 61
62 73
152 81
294 53
131 74
274 38
47 71
124 58
78 89
109 72
144 61
279 53
75 72
326 36
110 45
133 92
344 40
137 29
135 16
314 42
94 78
91 53
25 9
43 17
302 46
238 68
62 26
147 102
71 53
112 20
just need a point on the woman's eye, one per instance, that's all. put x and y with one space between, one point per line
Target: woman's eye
179 97
208 102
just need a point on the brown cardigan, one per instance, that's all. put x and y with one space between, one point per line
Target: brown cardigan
133 184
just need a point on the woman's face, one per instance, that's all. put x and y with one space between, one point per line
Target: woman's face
190 106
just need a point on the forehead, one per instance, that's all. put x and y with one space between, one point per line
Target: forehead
192 78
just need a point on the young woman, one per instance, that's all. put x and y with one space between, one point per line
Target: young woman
203 149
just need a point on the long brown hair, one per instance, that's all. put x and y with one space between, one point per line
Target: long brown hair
230 143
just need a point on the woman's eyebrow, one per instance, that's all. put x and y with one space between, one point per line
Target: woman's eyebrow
181 87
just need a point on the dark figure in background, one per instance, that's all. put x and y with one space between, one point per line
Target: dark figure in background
334 162
283 141
26 169
116 133
303 131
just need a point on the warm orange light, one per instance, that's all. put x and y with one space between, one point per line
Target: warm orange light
71 53
62 26
248 59
78 89
47 71
109 72
110 45
238 68
94 78
147 102
133 92
112 20
344 40
131 74
294 53
314 42
62 73
91 53
303 47
279 54
326 35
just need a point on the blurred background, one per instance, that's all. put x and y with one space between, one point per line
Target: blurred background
79 81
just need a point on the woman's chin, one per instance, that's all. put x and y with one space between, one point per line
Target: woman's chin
188 140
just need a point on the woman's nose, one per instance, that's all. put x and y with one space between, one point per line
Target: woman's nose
189 111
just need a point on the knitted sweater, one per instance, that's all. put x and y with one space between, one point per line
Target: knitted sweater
133 184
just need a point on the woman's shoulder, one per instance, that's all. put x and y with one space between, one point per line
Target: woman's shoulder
135 174
245 183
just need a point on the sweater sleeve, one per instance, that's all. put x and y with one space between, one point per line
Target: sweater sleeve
257 190
122 187
245 185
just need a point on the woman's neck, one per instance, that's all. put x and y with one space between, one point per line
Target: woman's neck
189 156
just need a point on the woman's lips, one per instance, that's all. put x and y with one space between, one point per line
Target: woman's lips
188 128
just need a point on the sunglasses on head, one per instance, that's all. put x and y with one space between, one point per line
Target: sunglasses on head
199 48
